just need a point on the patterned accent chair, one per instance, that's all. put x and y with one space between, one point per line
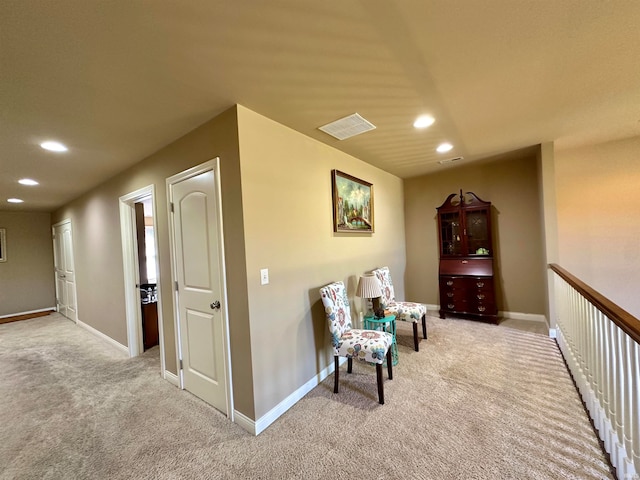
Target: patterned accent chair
407 311
368 345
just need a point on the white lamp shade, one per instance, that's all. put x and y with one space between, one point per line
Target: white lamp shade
368 286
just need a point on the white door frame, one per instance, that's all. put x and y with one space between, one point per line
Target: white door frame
132 274
214 165
75 279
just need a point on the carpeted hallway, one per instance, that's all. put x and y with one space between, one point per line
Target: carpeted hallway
477 402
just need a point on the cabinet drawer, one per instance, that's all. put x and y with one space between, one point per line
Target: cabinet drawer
467 266
484 284
457 305
481 296
452 282
482 303
453 294
483 309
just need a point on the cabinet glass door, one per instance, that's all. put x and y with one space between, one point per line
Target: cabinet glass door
477 232
451 233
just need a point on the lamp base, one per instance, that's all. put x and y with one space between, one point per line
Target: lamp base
376 303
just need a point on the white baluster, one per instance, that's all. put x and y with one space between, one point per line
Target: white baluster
598 351
581 338
626 438
590 355
634 355
606 381
613 386
573 336
620 393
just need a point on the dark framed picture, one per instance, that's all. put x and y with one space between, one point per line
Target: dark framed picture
3 245
352 204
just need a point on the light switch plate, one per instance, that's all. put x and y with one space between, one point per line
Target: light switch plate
264 276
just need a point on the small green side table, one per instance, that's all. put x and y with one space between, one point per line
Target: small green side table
386 324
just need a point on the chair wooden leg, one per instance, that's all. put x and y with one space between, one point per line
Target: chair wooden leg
424 326
336 374
415 337
349 365
390 364
380 384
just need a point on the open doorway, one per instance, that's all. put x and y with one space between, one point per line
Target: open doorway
147 271
141 272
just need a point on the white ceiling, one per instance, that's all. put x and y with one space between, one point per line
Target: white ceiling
117 80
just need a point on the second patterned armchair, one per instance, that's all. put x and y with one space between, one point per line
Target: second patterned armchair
407 311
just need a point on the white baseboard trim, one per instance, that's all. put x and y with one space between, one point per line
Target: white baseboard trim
530 317
553 333
272 415
172 378
244 422
50 309
104 337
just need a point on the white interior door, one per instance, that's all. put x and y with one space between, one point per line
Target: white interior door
201 320
65 270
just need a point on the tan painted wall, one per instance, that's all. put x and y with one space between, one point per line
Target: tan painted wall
98 246
26 278
511 184
281 209
598 198
286 194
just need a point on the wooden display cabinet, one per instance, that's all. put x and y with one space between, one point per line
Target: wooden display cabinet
466 258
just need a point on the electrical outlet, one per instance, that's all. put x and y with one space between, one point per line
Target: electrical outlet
264 276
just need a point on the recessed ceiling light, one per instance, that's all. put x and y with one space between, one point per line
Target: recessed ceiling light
444 147
424 121
54 146
27 181
14 200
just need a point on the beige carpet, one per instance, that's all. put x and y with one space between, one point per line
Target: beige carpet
477 402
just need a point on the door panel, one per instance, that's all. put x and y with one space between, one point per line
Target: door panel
201 357
201 328
195 241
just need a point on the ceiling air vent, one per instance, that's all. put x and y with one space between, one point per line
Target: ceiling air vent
347 127
450 160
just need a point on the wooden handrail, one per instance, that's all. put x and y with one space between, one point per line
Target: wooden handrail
623 319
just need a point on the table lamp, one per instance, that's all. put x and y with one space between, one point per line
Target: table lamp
369 288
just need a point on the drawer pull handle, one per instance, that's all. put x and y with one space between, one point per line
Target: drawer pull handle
481 309
480 296
450 282
465 261
449 294
450 306
480 284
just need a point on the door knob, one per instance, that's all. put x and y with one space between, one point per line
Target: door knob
215 305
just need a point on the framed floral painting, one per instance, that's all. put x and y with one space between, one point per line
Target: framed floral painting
352 204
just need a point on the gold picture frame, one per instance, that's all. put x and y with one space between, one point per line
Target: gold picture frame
352 204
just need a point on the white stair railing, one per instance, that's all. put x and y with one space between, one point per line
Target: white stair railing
600 343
